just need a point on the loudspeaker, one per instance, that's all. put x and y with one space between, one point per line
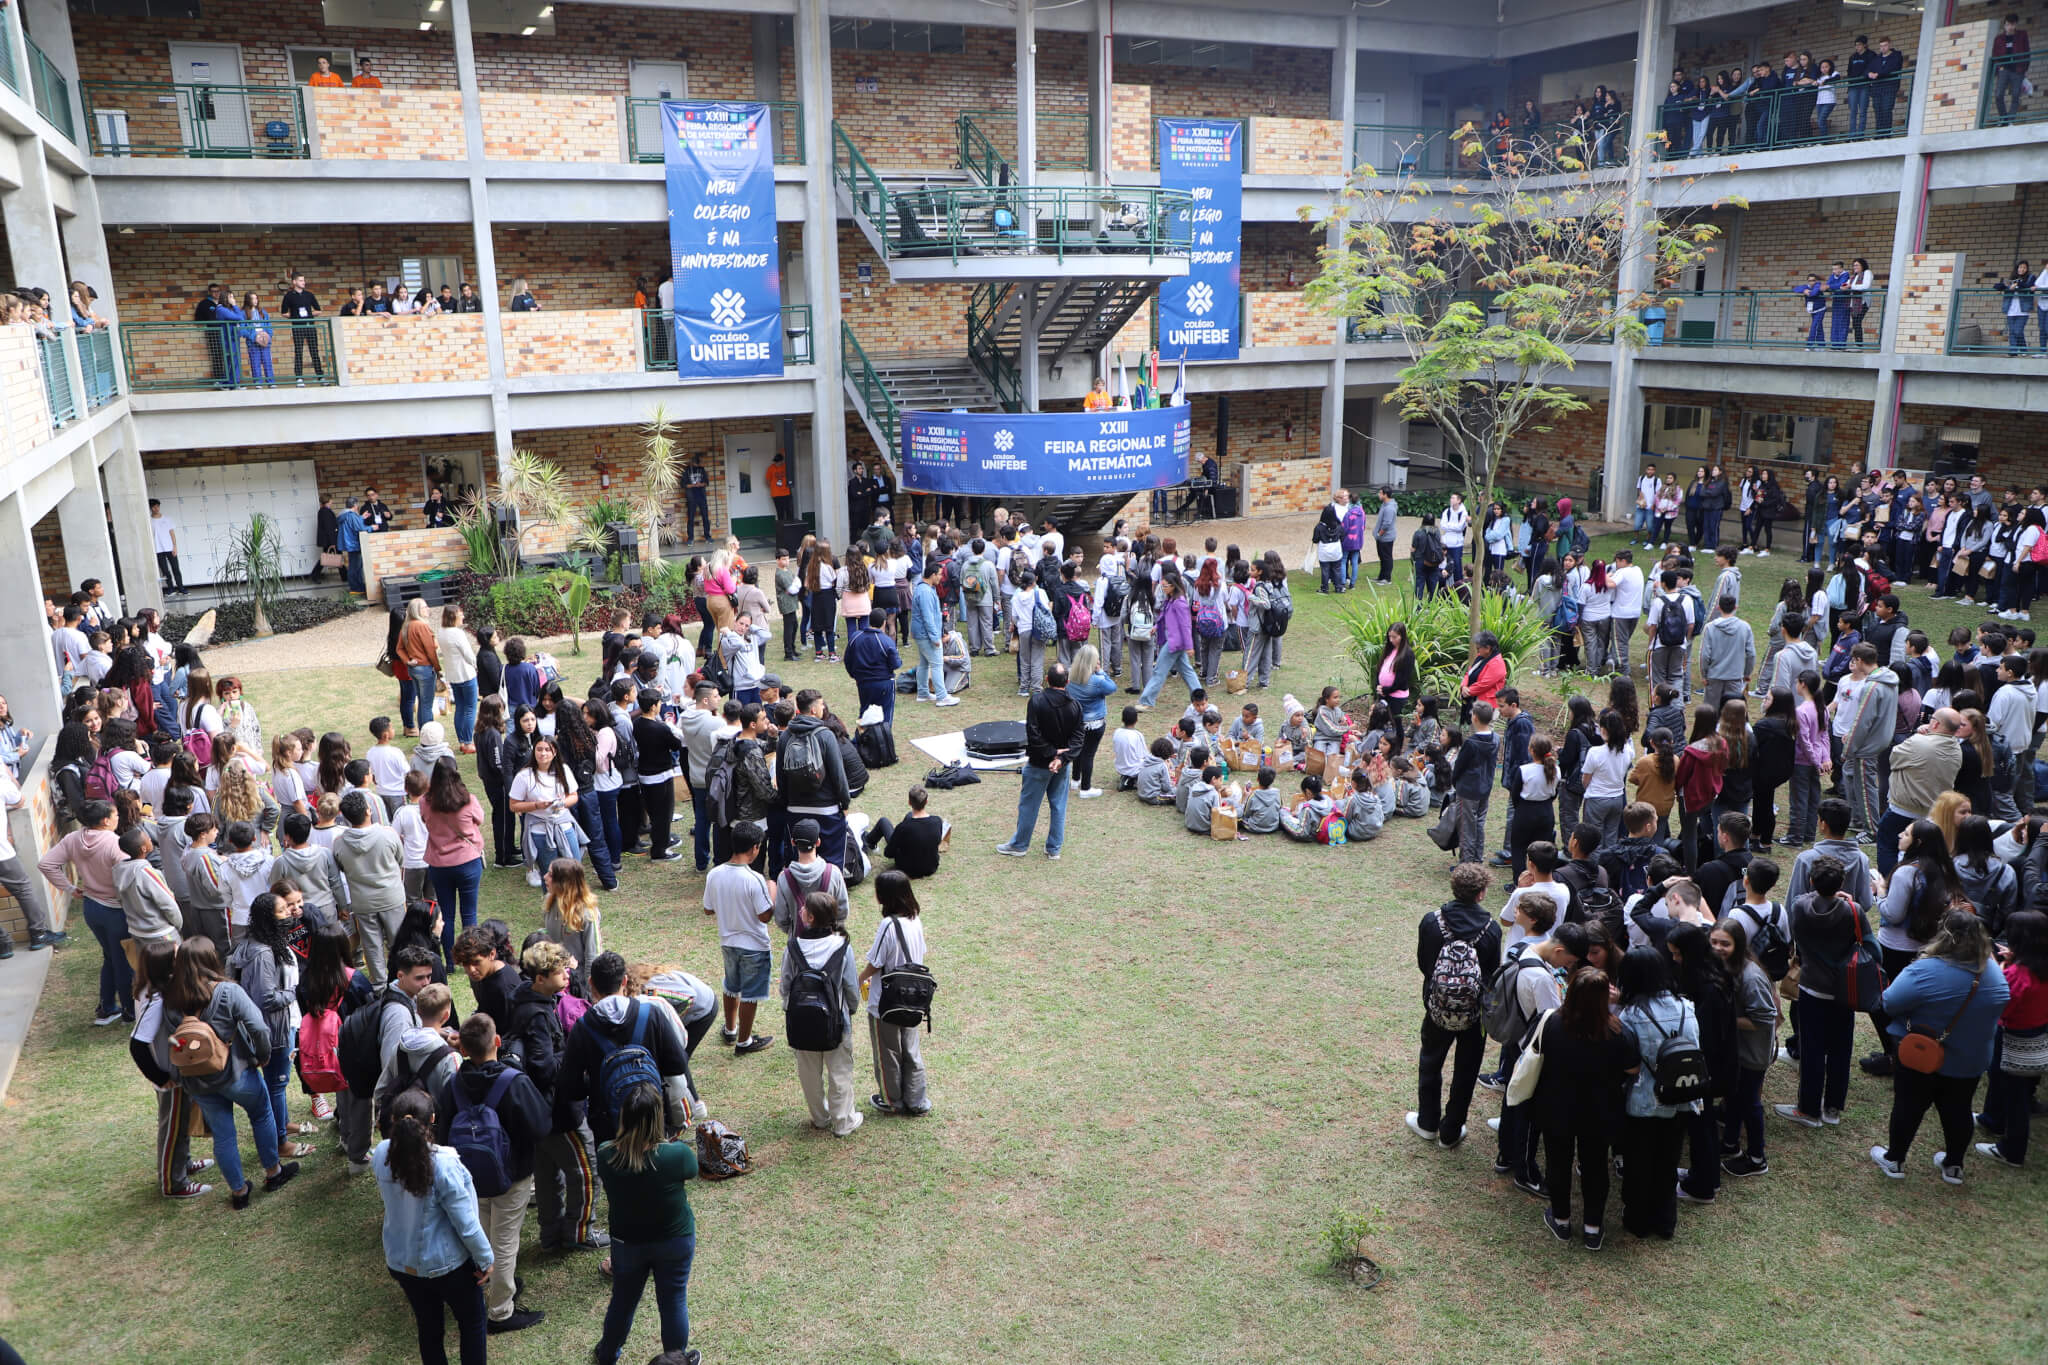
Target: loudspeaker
789 535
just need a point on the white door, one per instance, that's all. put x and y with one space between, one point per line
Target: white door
795 293
654 81
1370 147
210 118
748 508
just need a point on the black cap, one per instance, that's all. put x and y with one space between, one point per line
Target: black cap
804 834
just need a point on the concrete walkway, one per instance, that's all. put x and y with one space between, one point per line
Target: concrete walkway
21 986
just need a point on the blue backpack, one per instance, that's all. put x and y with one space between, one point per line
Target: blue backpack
626 1064
1567 614
478 1135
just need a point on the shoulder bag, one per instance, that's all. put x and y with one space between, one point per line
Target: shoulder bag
1529 1066
1922 1051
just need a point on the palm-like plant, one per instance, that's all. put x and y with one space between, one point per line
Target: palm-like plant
537 488
251 562
483 548
661 470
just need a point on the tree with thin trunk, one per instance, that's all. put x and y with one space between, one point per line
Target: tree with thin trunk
1494 289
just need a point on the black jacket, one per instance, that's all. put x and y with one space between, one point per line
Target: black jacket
535 1046
833 791
1472 772
1719 873
1772 752
326 529
1052 727
523 1111
1473 923
584 1055
494 995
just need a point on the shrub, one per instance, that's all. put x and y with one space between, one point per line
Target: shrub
1438 629
528 605
234 621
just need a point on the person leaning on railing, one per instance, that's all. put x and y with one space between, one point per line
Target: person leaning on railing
2009 51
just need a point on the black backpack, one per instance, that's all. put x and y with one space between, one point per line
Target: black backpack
626 759
409 1079
1600 903
359 1046
1680 1067
800 770
814 1017
907 988
1277 616
718 791
1671 626
877 745
1114 595
1771 944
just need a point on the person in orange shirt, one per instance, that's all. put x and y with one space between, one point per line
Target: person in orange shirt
366 79
1097 399
324 76
640 292
778 489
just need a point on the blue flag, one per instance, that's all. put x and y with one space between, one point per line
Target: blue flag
720 163
1198 311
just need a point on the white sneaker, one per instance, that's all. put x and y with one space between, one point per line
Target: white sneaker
1791 1113
1952 1175
949 701
1831 1117
1088 792
1896 1170
858 1119
1414 1121
1493 1124
533 877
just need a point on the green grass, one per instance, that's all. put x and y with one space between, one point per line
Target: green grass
1159 1067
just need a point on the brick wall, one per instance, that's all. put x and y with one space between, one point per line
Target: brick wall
135 47
21 392
892 316
1990 237
1298 146
160 275
1829 30
1265 425
580 453
400 554
1924 301
1135 335
525 126
907 120
1955 82
1281 487
51 569
1271 253
447 349
1284 82
593 47
580 266
1725 428
1286 319
1130 127
388 125
1562 459
586 341
2009 453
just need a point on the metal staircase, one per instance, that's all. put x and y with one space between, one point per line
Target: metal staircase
881 385
1076 316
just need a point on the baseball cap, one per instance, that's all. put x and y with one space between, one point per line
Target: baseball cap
770 680
804 834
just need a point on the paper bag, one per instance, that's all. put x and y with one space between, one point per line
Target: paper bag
1222 824
1314 762
1234 681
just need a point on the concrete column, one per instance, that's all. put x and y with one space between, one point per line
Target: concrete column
1101 74
33 239
1027 92
28 672
1624 440
767 59
1027 350
1343 108
128 507
1389 438
82 518
821 268
480 227
1909 235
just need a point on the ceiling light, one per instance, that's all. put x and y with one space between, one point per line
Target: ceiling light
547 11
426 27
435 8
528 31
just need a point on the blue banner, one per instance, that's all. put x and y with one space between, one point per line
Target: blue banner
1198 312
1033 454
720 162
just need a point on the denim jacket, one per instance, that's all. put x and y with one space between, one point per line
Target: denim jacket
433 1234
1675 1018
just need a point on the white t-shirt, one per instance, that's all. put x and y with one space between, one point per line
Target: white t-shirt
1054 544
1627 587
1536 786
1023 602
1451 526
1130 748
411 830
886 952
529 785
129 769
605 777
388 767
1646 489
739 897
1605 769
162 534
1557 891
206 716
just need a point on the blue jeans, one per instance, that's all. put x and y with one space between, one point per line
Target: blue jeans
416 694
931 671
456 886
1042 784
1351 556
465 710
632 1263
882 694
608 821
355 571
1176 660
109 925
1641 526
591 821
277 1075
219 1108
1859 108
2015 333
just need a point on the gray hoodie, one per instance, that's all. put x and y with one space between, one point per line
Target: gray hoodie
147 901
312 869
169 854
425 755
1795 658
206 880
415 1058
371 859
1877 716
797 880
1727 650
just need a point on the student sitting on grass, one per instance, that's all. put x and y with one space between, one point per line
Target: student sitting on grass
1248 726
1127 746
1154 783
1364 817
1204 799
1190 773
1301 823
914 843
1261 813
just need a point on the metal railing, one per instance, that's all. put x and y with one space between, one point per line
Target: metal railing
1434 153
1402 148
1066 142
1767 320
658 337
8 76
1980 323
867 383
1788 118
984 344
171 357
63 399
2005 99
933 222
1432 306
161 118
52 91
643 130
102 377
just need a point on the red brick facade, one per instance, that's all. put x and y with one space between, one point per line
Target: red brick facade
159 276
132 47
907 118
593 47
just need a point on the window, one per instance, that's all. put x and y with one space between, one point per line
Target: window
1675 431
1779 436
306 60
430 273
882 35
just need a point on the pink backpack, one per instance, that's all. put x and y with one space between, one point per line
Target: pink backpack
320 1052
569 1008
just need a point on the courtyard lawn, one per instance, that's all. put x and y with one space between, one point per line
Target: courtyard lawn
1159 1067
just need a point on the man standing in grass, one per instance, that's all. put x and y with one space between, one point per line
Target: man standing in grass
1052 739
1457 950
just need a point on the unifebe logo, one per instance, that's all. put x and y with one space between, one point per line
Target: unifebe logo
1201 298
728 308
1006 440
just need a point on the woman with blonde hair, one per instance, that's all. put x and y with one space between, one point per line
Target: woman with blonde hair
240 796
286 783
417 656
1949 809
569 916
459 662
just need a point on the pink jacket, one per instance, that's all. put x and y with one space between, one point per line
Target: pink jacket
1812 748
